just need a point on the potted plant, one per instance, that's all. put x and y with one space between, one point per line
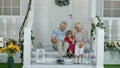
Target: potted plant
95 25
10 48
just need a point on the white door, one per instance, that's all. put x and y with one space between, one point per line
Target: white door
61 13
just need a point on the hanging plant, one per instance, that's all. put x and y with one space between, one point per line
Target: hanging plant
94 26
62 2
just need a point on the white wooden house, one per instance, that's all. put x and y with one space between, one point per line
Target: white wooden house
45 16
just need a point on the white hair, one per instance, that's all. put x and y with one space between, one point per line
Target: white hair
79 25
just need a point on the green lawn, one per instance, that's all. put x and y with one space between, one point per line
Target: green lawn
112 66
15 66
20 66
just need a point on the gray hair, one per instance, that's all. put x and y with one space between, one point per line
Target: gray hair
63 22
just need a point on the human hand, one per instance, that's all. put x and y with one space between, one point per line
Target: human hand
58 41
81 45
73 41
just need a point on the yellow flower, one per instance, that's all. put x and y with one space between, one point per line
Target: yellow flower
11 46
17 48
2 50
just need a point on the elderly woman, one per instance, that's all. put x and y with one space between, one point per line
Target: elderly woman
80 42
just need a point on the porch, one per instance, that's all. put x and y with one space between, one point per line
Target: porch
45 56
42 57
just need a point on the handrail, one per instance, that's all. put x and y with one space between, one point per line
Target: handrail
112 18
11 16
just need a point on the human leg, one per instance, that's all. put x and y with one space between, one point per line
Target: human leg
76 53
58 46
81 51
65 48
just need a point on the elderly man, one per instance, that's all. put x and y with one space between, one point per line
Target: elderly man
58 41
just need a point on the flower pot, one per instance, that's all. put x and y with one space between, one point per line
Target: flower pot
10 62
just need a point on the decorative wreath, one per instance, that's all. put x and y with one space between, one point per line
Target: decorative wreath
62 2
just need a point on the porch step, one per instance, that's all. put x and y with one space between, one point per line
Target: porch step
52 61
50 58
63 66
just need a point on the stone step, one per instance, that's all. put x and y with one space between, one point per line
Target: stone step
47 54
64 66
50 57
52 54
53 61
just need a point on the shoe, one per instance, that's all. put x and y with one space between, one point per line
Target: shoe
79 61
60 61
76 60
64 56
69 56
72 55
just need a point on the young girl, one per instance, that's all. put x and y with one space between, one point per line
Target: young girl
80 42
70 40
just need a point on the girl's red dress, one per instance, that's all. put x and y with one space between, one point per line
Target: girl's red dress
71 45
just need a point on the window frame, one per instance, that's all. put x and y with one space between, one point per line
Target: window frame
11 7
112 9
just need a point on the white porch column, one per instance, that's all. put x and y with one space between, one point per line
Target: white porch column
27 38
93 8
100 48
27 48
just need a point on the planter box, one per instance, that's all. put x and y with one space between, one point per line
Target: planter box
111 58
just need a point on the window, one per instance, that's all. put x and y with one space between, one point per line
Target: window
111 8
10 7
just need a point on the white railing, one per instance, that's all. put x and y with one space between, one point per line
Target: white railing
113 28
27 38
9 26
